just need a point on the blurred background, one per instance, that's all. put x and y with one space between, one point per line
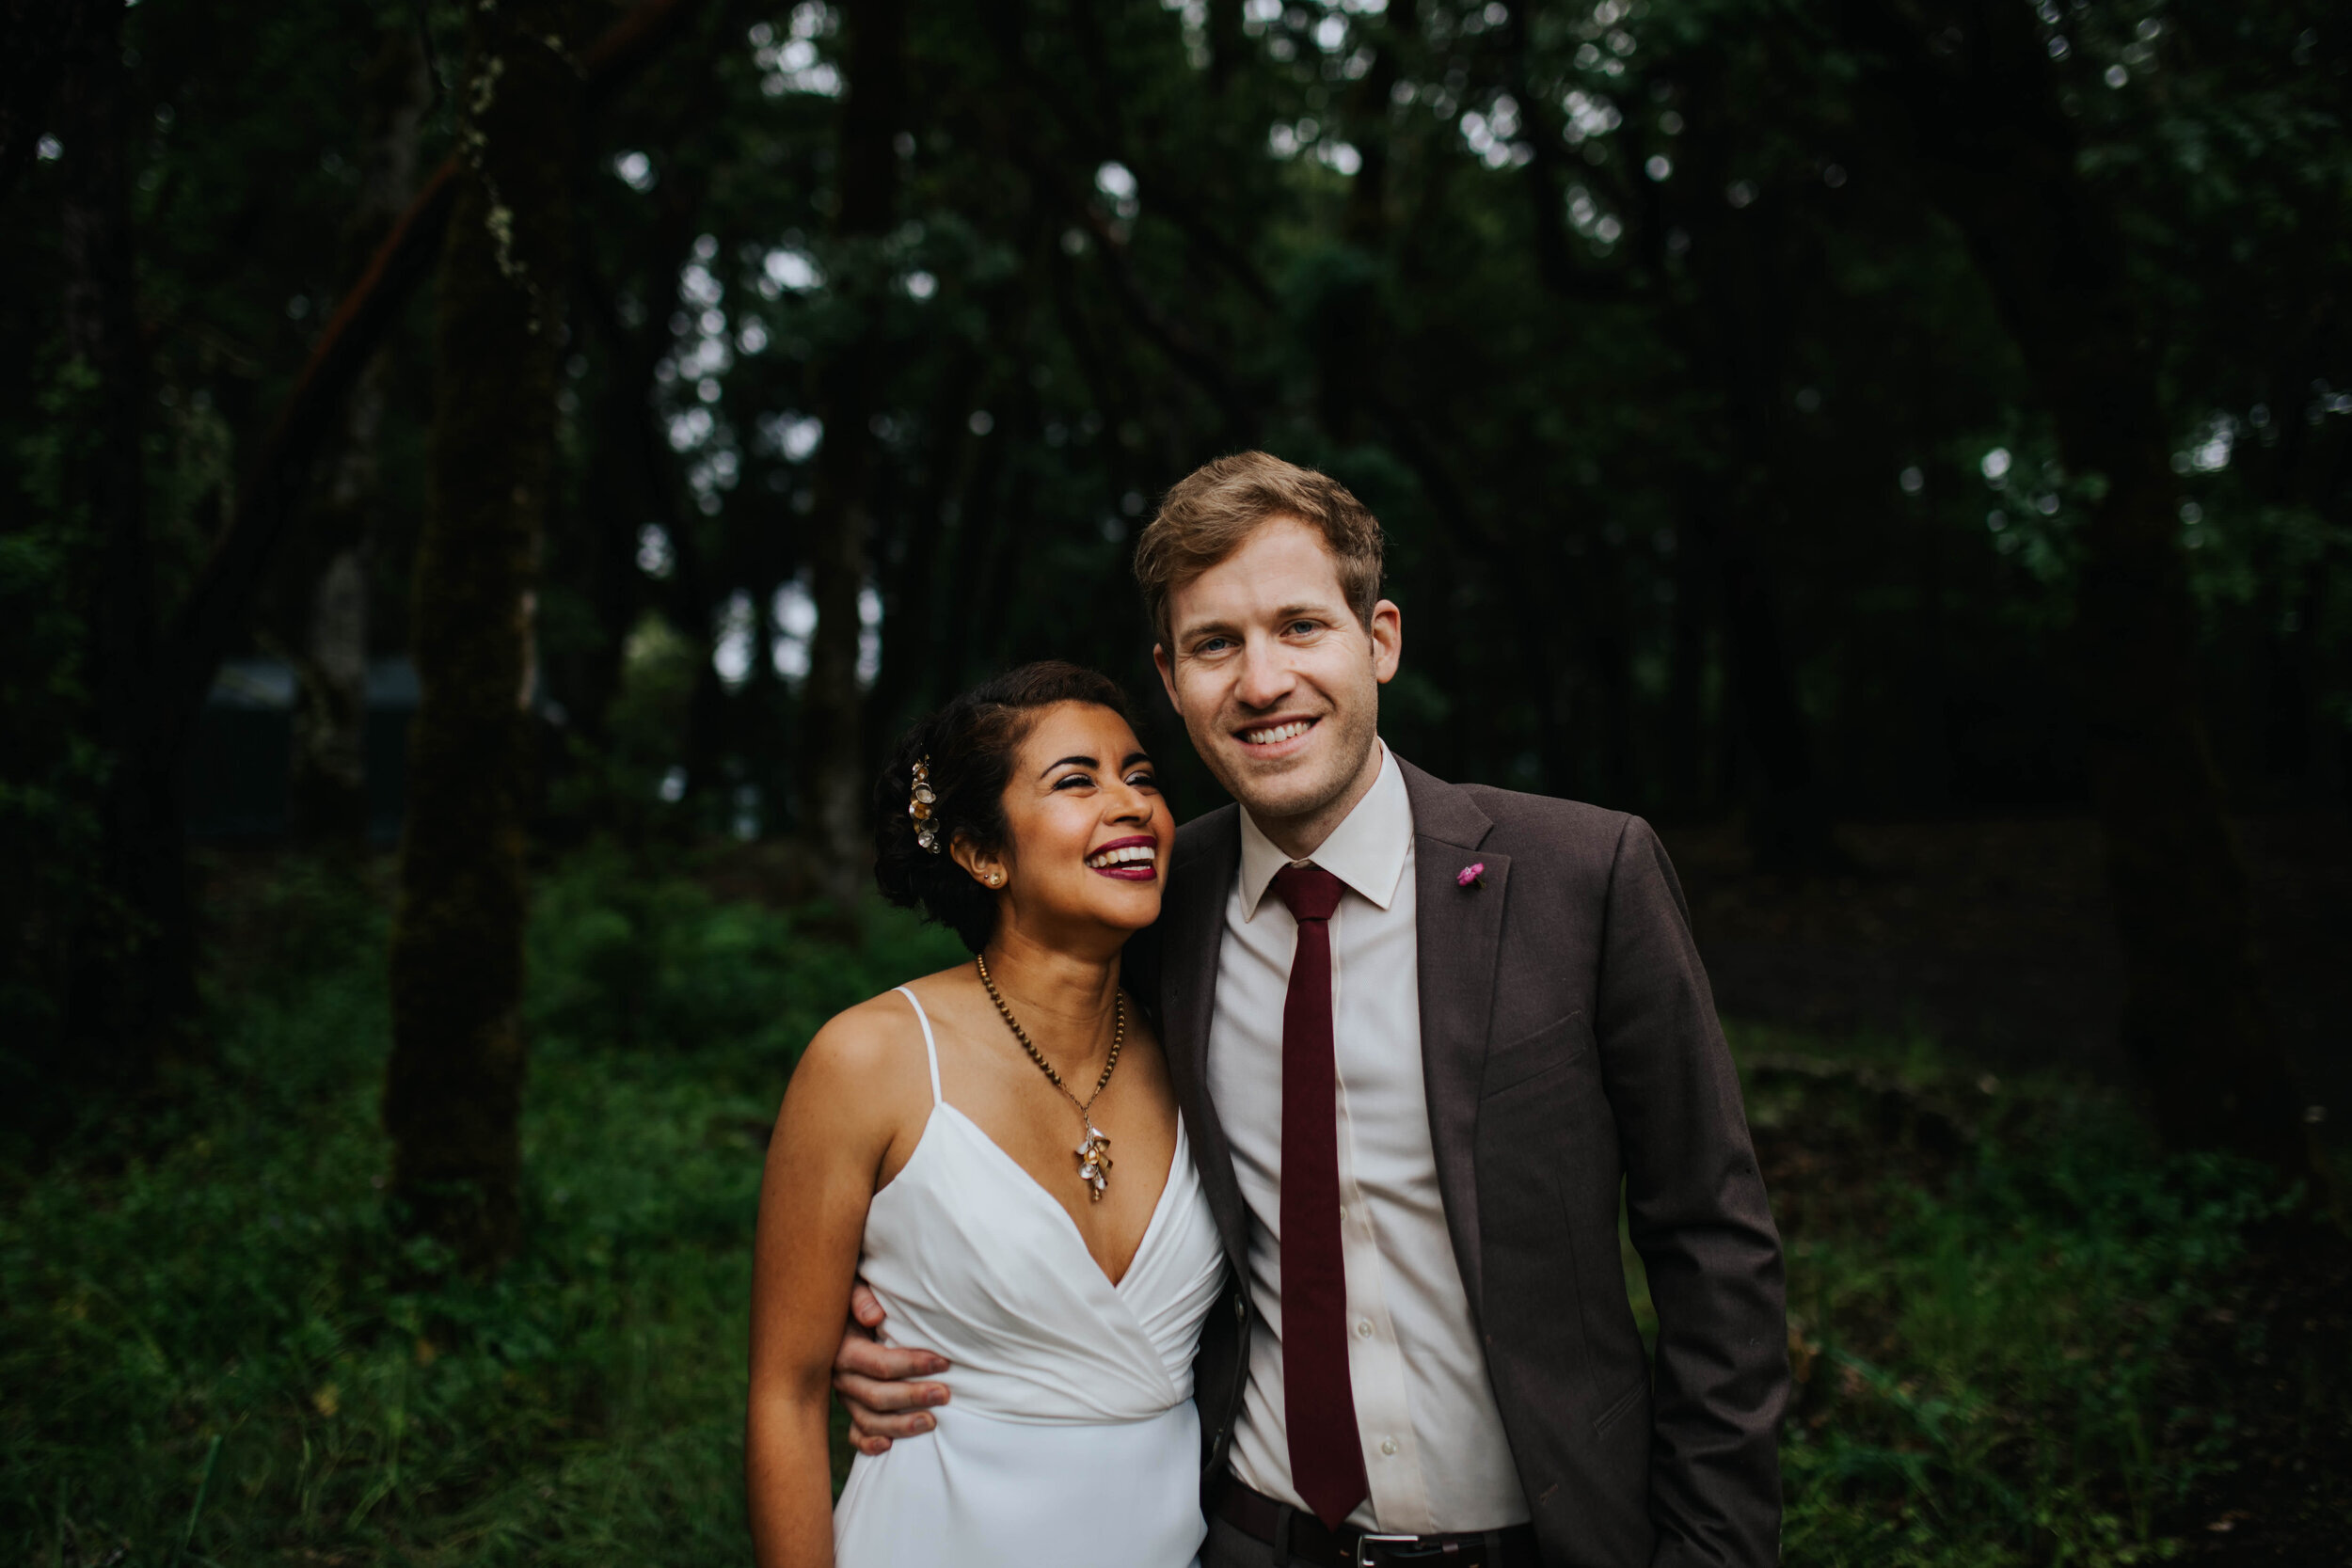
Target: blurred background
488 483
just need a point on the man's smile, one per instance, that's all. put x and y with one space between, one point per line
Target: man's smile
1276 738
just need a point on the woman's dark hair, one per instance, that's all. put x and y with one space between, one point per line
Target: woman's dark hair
971 743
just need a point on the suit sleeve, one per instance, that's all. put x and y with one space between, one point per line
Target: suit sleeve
1699 1218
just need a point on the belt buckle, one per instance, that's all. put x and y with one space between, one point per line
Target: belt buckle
1366 1541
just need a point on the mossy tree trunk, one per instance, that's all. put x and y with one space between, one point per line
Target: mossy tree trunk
332 560
453 1093
129 980
1973 83
833 764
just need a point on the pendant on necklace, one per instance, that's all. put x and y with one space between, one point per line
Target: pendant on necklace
1094 1159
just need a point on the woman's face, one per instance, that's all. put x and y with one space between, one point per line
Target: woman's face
1090 832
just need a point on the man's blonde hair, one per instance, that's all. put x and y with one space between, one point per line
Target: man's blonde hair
1215 509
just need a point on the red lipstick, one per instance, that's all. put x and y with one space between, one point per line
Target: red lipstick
1127 871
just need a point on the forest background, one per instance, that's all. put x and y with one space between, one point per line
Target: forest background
1903 446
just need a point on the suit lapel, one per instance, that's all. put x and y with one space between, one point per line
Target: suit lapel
1192 928
1461 935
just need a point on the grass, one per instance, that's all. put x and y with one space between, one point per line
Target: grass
232 1302
215 1351
1994 1326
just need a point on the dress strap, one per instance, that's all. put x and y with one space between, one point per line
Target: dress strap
930 1046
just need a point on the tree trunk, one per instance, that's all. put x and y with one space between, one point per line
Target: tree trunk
1347 293
833 763
130 986
1687 787
219 603
453 1091
2001 161
330 784
911 629
1740 325
1229 45
1787 828
329 787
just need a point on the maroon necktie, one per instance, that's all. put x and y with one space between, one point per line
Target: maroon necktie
1327 1455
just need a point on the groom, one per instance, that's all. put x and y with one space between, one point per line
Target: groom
1424 1035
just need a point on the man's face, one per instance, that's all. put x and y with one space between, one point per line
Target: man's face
1277 682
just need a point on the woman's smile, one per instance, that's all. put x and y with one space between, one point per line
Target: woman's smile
1131 859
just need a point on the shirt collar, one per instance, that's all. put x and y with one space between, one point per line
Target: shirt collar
1366 851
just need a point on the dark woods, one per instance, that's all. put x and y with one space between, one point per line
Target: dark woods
1797 412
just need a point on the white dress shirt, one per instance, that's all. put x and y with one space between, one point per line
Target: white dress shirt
1433 1447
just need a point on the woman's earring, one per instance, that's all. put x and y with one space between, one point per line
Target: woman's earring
994 877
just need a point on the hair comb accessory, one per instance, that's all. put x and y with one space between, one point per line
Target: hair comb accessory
919 805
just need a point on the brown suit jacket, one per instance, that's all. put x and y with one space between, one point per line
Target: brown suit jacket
1571 1050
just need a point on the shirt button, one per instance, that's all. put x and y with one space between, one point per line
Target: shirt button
1388 1445
1364 1328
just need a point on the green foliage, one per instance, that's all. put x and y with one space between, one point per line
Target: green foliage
619 783
242 1285
51 768
1594 303
1990 1351
1993 1366
1586 301
623 955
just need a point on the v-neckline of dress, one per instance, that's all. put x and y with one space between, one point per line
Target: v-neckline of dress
1151 1230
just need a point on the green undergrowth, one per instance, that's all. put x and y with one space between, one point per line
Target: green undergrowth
1994 1293
215 1349
219 1350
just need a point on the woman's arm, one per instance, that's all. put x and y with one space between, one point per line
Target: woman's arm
830 1142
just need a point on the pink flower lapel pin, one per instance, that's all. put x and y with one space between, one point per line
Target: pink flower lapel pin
1471 875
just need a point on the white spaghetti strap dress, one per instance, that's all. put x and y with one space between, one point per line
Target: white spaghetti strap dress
1069 1435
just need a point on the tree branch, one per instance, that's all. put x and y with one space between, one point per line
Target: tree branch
217 605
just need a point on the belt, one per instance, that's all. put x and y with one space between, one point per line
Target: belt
1300 1537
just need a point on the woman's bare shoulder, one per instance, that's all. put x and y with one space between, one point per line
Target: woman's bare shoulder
855 1043
877 1040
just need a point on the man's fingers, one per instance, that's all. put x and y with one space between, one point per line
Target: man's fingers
885 1397
865 1306
883 1363
868 1426
874 1379
884 1429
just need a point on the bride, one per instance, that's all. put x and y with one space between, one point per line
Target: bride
996 1150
